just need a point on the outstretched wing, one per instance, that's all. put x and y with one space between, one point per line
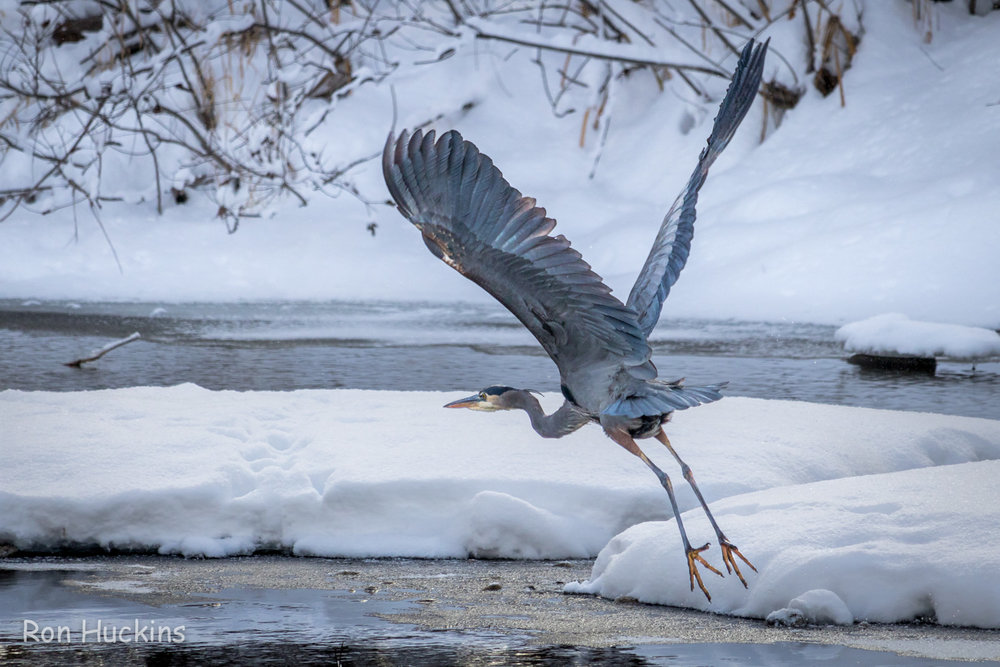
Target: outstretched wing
673 242
473 220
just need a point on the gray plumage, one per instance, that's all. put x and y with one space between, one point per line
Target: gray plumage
474 220
480 225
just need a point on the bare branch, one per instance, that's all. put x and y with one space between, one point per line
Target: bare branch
621 55
97 354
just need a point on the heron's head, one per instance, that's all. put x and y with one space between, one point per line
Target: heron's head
489 399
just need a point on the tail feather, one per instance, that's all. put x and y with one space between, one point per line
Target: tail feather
658 398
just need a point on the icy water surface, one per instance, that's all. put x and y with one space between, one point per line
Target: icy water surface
306 626
461 347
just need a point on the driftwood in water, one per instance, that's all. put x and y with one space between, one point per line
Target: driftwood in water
97 354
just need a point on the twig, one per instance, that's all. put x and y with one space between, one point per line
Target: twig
613 57
454 12
711 26
810 40
736 15
840 75
97 354
933 62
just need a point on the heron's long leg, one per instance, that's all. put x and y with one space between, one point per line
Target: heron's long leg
693 555
728 548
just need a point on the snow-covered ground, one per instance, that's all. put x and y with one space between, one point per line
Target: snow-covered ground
894 513
885 205
918 543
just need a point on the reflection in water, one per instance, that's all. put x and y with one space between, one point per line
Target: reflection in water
376 653
453 347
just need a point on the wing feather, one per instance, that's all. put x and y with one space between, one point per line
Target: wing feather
673 242
473 219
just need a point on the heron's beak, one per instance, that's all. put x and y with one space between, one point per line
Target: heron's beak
467 402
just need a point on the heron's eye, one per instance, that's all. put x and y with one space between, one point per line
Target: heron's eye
482 396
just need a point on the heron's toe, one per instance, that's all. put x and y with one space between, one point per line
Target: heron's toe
728 549
694 557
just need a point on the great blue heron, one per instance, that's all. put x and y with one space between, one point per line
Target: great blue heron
473 219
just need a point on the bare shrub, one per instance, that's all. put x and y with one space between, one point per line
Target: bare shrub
111 100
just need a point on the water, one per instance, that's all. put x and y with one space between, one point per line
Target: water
318 627
460 347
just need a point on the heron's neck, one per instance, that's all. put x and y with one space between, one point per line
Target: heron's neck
559 423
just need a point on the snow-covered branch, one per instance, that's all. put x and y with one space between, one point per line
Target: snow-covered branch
589 46
131 100
97 354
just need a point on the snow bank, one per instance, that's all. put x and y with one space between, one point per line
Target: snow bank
894 532
898 335
890 547
841 214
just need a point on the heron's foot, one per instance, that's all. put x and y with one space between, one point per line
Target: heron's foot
728 549
694 556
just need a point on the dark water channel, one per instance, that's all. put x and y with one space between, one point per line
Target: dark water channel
462 347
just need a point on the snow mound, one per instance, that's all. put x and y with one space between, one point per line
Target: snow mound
897 335
818 606
907 545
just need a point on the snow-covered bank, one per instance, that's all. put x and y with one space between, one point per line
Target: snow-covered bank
363 473
885 204
885 548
